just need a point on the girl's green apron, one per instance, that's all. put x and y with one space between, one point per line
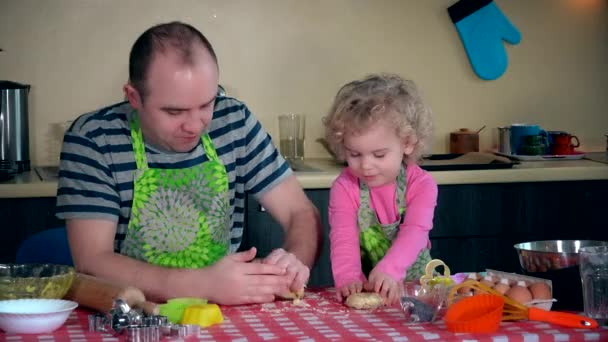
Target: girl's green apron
376 238
179 217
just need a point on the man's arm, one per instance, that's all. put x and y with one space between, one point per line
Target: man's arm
234 279
289 206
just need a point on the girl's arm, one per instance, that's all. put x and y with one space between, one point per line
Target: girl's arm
413 235
344 233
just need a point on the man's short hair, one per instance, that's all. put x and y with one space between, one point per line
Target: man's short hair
174 36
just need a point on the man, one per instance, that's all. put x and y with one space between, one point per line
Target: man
153 189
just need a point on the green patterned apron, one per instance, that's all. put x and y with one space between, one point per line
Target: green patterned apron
179 217
376 238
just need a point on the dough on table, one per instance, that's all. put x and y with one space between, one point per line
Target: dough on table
294 295
364 300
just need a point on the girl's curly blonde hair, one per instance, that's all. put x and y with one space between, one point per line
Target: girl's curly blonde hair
364 102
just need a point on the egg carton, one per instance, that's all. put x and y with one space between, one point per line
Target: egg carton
514 278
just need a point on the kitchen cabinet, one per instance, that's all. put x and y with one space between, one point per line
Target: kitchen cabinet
264 233
22 217
475 225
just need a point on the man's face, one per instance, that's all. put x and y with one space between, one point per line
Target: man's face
179 102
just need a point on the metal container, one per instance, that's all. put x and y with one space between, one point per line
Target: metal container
14 130
504 140
542 256
557 260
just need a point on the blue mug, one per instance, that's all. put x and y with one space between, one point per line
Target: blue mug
519 131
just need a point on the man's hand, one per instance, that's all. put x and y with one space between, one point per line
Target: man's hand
383 284
235 280
296 272
343 292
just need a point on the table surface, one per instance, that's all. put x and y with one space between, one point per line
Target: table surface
322 317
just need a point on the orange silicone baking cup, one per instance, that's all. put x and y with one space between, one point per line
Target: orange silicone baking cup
481 313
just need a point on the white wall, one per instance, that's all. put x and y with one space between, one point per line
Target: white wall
291 56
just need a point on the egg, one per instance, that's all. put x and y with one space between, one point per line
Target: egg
467 290
540 290
519 293
503 286
488 281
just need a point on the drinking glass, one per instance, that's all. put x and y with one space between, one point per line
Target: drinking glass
291 135
593 264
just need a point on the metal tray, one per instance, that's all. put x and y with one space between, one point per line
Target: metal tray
449 162
546 157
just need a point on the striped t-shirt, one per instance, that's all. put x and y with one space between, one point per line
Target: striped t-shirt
97 164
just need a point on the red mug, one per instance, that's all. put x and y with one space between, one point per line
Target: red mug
561 143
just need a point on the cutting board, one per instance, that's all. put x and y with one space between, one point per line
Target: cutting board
601 157
467 161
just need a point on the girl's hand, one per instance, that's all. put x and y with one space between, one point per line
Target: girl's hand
348 289
387 287
297 273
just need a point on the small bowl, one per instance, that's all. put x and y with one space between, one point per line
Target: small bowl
542 256
480 313
34 316
20 281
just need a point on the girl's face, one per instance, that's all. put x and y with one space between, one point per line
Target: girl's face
375 155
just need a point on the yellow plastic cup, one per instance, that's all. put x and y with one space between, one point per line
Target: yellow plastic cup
203 315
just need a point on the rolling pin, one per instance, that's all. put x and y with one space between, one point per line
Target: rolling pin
99 294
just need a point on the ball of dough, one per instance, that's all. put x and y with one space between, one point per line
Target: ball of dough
364 300
293 295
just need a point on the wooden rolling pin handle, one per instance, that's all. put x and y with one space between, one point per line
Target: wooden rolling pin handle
99 294
131 295
149 308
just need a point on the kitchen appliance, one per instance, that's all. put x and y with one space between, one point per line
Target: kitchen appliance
14 130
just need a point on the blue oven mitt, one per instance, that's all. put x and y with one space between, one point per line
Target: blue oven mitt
482 27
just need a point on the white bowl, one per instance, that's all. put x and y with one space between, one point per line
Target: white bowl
34 316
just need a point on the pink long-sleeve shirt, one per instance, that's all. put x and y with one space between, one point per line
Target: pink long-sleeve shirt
413 235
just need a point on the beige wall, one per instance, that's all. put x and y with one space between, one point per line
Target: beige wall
291 56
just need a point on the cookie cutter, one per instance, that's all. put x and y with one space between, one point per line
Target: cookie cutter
135 326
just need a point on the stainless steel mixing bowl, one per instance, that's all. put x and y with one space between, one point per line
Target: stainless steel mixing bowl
542 256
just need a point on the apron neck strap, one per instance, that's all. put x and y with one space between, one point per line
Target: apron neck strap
139 147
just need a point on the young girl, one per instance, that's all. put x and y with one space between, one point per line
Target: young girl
381 206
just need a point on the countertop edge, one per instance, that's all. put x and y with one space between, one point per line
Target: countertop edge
32 186
26 190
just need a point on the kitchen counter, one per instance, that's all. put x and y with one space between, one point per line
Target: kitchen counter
325 171
533 171
27 184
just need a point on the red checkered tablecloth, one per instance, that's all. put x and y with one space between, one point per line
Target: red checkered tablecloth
321 317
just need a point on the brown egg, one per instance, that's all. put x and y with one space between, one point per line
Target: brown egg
502 286
540 290
488 281
519 293
467 290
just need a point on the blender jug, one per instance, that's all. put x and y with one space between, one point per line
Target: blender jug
14 130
